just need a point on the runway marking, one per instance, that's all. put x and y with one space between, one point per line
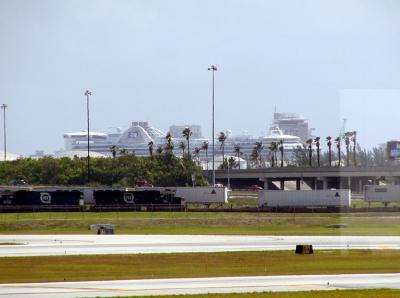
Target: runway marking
306 287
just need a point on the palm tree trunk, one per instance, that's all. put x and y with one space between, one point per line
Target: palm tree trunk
223 156
330 156
355 154
318 157
207 158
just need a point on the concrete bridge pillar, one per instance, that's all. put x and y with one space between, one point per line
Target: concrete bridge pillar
298 184
282 184
324 183
341 184
313 183
266 182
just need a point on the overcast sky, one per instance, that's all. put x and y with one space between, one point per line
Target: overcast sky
147 60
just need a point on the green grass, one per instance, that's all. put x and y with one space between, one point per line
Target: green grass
381 293
202 223
364 204
140 266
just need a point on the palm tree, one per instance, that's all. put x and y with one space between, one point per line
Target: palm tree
231 162
255 155
182 146
238 150
329 143
318 145
187 133
354 148
346 137
338 141
204 146
272 149
309 142
196 153
281 149
159 150
222 139
169 146
259 147
150 145
114 150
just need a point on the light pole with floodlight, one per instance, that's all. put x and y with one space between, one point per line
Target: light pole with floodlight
4 107
213 68
88 93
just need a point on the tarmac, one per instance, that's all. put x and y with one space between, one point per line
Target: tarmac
201 285
48 245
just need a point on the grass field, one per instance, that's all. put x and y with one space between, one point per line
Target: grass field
380 293
140 266
203 223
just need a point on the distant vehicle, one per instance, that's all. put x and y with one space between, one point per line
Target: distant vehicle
18 182
143 183
255 188
218 185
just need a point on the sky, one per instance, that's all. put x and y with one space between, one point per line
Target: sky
148 60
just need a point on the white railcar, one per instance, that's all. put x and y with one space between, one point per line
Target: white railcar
377 193
203 194
197 194
305 198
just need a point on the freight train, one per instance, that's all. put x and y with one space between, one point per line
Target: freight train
92 197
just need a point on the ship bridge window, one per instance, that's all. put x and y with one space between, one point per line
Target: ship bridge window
132 134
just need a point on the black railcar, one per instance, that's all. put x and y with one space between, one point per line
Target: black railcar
137 197
39 197
113 197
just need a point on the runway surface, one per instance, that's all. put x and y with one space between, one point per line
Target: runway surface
201 285
46 245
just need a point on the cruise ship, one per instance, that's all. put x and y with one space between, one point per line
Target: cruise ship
136 138
247 143
133 140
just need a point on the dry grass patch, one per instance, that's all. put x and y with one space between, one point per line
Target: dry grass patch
111 267
376 224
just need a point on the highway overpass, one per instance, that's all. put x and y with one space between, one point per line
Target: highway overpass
314 178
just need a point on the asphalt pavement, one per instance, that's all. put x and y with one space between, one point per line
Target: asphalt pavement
200 285
46 245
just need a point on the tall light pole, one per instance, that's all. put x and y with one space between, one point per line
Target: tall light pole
213 68
4 107
88 93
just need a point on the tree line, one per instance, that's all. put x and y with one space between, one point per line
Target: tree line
122 169
309 155
342 151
